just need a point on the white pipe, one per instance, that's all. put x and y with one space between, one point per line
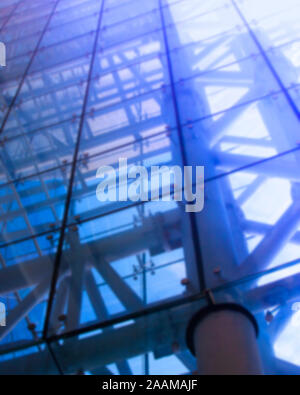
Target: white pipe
223 339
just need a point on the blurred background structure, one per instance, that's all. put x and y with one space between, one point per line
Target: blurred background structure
108 288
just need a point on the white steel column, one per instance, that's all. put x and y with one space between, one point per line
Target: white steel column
223 339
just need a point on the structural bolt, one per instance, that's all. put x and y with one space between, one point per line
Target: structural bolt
31 327
185 281
269 317
62 318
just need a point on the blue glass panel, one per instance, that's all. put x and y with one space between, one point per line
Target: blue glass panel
178 11
274 22
132 273
35 6
242 136
210 83
22 30
37 151
126 11
142 112
257 209
15 70
194 26
154 146
123 84
40 352
33 205
132 28
217 90
66 15
29 16
62 53
67 4
71 30
212 53
55 77
285 60
24 292
21 47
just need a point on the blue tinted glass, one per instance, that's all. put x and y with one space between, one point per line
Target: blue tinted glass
159 84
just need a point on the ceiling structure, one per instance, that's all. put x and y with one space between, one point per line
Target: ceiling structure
108 288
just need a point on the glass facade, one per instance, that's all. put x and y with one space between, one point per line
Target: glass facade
109 287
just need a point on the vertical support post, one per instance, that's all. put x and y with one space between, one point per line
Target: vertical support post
223 339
